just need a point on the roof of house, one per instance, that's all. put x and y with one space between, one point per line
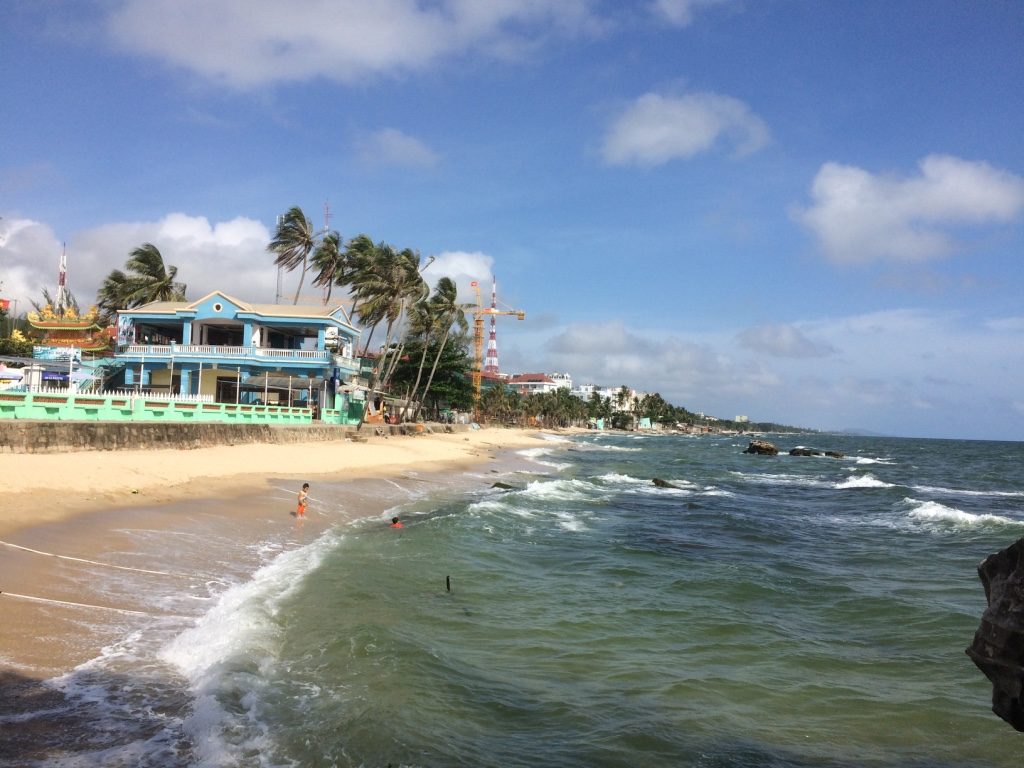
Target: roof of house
524 378
305 311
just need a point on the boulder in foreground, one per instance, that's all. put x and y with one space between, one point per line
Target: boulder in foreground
762 447
998 647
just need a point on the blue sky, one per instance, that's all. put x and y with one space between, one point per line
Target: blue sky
804 212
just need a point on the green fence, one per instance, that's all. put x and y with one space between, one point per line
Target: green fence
70 406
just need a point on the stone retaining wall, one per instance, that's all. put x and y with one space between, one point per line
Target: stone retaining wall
23 436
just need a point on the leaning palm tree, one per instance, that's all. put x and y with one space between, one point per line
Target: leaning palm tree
145 279
293 242
450 313
151 279
385 283
331 262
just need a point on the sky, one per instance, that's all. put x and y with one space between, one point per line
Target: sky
809 212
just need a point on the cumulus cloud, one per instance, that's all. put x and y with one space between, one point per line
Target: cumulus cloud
656 129
679 13
463 267
859 217
783 341
390 147
246 45
208 256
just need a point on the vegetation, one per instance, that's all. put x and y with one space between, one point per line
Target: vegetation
145 279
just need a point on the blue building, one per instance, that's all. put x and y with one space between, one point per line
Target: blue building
231 351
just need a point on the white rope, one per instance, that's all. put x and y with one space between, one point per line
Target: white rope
95 562
75 605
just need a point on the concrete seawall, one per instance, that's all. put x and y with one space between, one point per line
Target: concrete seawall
65 436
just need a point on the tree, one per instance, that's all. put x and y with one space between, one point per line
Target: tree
446 312
385 282
331 262
146 279
293 242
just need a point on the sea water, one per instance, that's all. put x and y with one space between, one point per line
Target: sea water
765 611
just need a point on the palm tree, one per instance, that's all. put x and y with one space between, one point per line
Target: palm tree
385 282
293 242
146 279
449 312
331 262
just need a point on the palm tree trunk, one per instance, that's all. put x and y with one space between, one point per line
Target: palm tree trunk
430 378
302 277
416 386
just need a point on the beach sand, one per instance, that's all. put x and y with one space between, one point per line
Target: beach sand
94 543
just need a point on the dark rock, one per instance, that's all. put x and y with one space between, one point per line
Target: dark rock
803 452
762 447
664 483
503 486
998 647
834 454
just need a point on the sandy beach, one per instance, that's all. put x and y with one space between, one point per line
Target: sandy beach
90 532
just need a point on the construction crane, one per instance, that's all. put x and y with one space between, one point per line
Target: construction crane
478 336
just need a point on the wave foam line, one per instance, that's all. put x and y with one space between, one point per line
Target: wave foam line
75 605
96 562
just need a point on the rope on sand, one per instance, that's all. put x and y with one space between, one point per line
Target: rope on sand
96 562
74 605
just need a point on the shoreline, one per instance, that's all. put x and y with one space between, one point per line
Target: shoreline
54 487
81 562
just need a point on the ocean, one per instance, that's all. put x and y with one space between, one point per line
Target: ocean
782 611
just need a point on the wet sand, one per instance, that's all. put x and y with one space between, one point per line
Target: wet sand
105 542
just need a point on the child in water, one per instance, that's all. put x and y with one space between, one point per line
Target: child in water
300 510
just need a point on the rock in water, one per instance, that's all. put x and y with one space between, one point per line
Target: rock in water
503 486
762 447
664 483
998 647
803 452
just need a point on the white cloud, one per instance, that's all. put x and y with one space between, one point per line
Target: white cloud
655 129
251 44
679 13
783 341
463 267
391 147
229 255
859 217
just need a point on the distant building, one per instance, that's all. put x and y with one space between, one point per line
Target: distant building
532 383
742 419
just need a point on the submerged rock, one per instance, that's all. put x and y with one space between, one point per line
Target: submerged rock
503 486
664 483
998 647
762 447
804 452
834 454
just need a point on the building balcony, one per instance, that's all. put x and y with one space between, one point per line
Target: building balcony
237 355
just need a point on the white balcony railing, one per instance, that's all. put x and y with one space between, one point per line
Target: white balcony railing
211 350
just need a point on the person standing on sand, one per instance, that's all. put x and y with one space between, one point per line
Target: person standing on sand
300 510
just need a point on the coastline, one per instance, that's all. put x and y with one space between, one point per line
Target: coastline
94 536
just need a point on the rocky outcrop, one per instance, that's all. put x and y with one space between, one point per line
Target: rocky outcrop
998 647
663 483
762 447
811 452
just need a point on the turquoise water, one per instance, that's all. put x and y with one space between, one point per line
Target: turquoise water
769 611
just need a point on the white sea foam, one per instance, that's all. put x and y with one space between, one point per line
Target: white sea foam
863 481
239 634
535 454
868 460
559 490
782 479
965 492
933 511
